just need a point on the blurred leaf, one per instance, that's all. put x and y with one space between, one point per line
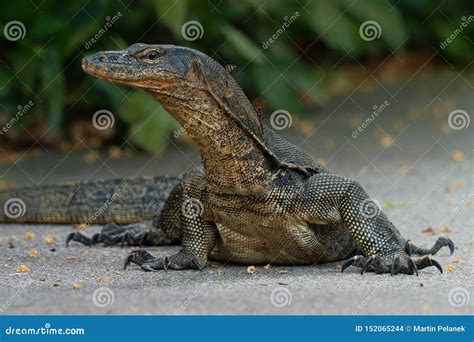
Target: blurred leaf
242 44
172 14
327 19
149 123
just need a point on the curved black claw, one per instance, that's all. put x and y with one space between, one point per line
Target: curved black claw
79 237
197 264
450 245
367 263
395 265
166 262
427 262
408 247
412 266
127 261
350 262
138 257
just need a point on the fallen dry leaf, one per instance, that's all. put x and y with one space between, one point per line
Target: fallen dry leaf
458 183
445 229
457 155
80 226
428 231
103 280
338 266
89 158
76 286
33 253
71 258
457 260
22 268
449 268
251 270
49 240
29 236
283 271
267 266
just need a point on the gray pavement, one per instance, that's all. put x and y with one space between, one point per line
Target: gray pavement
408 158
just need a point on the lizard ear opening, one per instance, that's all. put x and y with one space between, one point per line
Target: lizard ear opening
195 73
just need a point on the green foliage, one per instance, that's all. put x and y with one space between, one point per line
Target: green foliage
281 50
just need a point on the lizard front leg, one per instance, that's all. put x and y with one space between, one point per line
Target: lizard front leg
330 198
198 236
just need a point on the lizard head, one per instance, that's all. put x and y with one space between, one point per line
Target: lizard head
142 66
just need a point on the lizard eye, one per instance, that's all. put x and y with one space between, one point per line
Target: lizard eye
152 55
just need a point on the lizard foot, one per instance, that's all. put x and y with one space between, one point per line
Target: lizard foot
181 261
400 263
411 249
112 234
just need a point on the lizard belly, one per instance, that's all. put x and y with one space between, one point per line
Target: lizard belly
262 241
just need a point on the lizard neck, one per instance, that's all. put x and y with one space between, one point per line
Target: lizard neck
232 160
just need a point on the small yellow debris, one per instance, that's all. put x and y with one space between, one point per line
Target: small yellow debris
428 231
220 271
71 258
103 280
80 226
338 266
33 253
458 183
49 240
445 229
329 144
76 286
283 271
89 158
457 260
251 270
267 266
449 268
386 141
115 152
457 155
22 268
29 236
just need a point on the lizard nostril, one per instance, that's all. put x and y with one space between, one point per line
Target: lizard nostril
102 58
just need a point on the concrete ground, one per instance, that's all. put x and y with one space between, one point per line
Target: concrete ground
408 158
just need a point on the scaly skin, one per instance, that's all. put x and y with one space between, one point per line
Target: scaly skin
260 199
264 200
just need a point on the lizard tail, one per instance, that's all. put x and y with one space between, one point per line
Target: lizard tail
121 200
